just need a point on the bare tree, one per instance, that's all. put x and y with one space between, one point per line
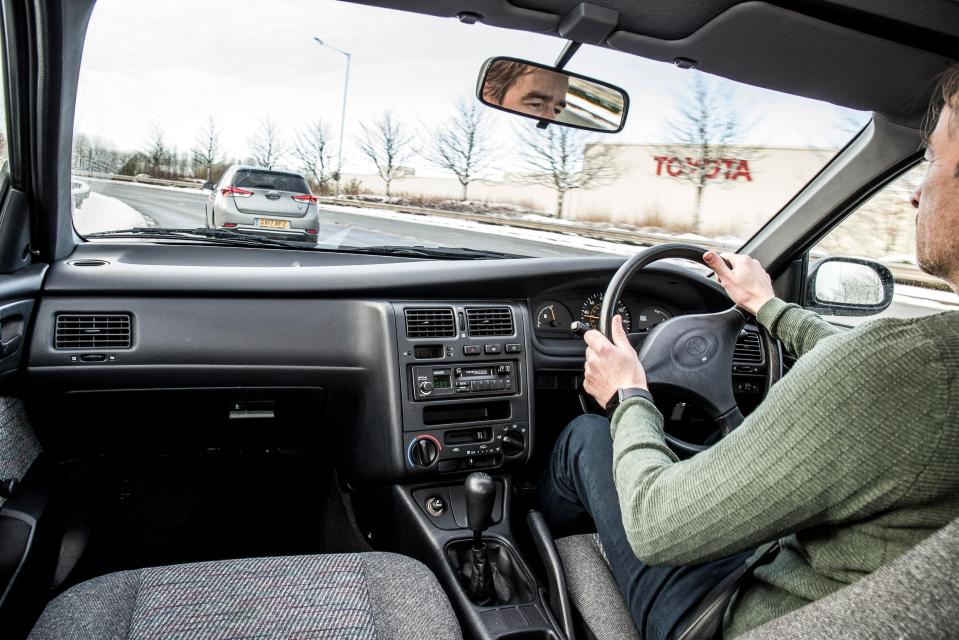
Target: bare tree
267 145
563 159
386 143
314 149
206 152
156 153
462 144
703 136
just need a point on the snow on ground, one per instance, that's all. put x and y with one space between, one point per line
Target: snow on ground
103 213
548 237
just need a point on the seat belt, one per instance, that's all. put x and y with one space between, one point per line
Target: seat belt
707 621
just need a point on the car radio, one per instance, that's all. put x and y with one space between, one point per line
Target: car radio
466 379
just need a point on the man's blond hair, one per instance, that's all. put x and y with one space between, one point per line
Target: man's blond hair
946 93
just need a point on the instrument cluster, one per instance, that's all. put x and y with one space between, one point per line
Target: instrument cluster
640 313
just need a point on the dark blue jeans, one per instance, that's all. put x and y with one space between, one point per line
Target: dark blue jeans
577 493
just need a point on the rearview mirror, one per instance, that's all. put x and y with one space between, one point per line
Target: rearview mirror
849 287
207 186
551 95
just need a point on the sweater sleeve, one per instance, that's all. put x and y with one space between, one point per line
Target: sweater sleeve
821 445
798 329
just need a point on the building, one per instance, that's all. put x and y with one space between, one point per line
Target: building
652 188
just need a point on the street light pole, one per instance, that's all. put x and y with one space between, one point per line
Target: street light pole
346 88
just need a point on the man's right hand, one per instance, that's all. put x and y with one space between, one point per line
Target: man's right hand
747 283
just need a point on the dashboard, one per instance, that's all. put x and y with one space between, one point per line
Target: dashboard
405 369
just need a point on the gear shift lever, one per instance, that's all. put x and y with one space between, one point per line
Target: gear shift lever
480 496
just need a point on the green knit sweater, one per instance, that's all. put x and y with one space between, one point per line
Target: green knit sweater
852 459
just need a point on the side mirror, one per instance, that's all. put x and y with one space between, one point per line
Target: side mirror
849 287
552 95
207 186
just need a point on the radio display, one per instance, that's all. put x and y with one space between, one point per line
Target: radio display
474 372
441 382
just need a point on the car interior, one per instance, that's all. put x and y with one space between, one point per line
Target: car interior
184 419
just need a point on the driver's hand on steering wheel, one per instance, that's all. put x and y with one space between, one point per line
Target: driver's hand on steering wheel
747 283
611 365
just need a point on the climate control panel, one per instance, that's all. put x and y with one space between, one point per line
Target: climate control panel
451 450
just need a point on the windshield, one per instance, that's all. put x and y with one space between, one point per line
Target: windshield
335 125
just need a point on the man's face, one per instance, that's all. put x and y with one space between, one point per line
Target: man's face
937 222
539 93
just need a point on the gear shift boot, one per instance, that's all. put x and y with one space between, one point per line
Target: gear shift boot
508 582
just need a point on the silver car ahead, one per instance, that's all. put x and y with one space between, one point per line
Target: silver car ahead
263 201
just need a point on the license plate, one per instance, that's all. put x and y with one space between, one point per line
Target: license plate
273 223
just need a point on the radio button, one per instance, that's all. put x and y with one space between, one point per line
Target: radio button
471 350
492 348
426 388
503 369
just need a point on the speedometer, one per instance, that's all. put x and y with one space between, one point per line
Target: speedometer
592 305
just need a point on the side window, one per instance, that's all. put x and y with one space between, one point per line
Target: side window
4 153
884 229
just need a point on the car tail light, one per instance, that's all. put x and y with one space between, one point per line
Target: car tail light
309 197
312 232
236 192
229 225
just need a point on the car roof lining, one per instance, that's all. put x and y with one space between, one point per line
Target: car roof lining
887 64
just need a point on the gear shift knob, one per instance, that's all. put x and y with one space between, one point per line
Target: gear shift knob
480 496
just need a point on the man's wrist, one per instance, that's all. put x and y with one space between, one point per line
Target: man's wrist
626 393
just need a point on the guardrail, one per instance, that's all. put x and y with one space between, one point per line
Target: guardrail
903 273
142 180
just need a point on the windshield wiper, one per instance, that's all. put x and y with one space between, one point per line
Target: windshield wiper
238 238
223 236
450 253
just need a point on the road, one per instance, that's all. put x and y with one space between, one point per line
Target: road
183 208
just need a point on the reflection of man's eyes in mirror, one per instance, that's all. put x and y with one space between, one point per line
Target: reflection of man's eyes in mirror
541 104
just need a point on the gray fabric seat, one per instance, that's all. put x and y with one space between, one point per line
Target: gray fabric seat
914 597
367 596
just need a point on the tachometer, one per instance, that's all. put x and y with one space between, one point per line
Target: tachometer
592 306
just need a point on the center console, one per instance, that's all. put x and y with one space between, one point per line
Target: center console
465 378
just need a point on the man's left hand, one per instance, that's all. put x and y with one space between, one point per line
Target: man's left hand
611 365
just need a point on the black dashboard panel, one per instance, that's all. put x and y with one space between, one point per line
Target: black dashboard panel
215 318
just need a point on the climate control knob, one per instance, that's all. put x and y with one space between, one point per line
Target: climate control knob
423 452
514 443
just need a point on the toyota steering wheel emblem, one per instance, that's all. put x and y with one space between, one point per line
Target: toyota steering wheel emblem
696 346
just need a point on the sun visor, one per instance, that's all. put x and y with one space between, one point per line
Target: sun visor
768 46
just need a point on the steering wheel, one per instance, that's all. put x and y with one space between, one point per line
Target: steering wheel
691 354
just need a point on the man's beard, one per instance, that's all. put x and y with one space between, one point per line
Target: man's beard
937 256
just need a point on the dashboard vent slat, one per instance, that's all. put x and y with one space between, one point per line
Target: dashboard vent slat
489 321
748 350
430 323
93 331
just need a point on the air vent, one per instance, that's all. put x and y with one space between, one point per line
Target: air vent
489 321
430 323
748 349
93 331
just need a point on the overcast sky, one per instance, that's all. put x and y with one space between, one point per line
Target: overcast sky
177 62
